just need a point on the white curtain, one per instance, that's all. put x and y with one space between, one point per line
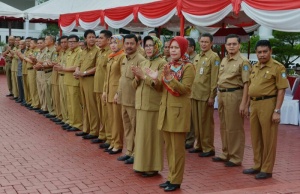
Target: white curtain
119 23
157 21
207 20
69 28
89 25
283 20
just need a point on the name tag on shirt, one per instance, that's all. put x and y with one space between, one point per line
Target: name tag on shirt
201 71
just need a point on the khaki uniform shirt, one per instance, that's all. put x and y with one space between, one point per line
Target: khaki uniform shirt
205 82
24 64
72 60
100 73
234 72
268 80
14 62
7 58
113 74
192 56
50 55
125 86
148 96
88 58
34 53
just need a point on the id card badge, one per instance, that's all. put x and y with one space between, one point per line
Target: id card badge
201 71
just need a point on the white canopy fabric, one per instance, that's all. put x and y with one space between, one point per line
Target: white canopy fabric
9 11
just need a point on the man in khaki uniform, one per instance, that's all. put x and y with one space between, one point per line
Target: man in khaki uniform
204 91
24 74
74 105
267 86
139 46
191 51
41 77
133 58
100 75
233 91
8 58
85 73
14 68
167 51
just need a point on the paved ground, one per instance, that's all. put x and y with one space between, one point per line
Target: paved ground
36 156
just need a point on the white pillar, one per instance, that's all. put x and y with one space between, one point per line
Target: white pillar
39 26
265 33
26 27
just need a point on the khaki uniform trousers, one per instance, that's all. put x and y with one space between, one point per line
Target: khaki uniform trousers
231 126
175 149
102 114
33 88
56 101
263 134
14 81
74 106
41 87
26 89
48 93
190 136
129 119
62 100
90 112
203 122
8 76
115 124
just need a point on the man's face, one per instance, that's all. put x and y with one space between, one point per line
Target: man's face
27 42
130 46
232 46
263 54
103 41
32 44
205 44
22 45
48 41
82 45
167 49
90 39
190 49
64 43
73 43
41 44
17 42
11 41
57 47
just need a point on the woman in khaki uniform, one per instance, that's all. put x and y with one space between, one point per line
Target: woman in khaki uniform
175 109
111 85
148 140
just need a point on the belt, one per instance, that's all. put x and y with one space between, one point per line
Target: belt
62 74
89 75
230 89
262 97
30 68
40 70
48 71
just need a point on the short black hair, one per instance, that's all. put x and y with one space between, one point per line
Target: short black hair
63 37
41 38
73 36
129 36
153 31
207 35
58 41
263 43
147 38
18 37
28 38
233 36
89 32
192 42
106 33
34 40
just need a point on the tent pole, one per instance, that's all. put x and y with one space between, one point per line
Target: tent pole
249 49
181 25
9 28
26 27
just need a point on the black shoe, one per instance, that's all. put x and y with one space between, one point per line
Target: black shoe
66 128
49 116
218 159
230 164
55 120
72 129
164 185
97 140
195 150
38 111
14 98
263 175
129 161
188 146
60 123
123 158
23 103
89 136
207 154
19 101
27 105
250 171
149 174
9 95
34 108
107 149
43 112
115 152
81 133
65 125
172 187
104 145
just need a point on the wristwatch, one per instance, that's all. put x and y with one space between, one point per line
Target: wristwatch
277 111
84 73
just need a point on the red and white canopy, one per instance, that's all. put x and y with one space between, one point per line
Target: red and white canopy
274 14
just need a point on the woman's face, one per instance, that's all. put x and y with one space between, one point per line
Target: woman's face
149 48
114 45
175 50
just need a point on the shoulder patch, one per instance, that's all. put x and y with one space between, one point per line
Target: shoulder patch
246 68
217 63
283 74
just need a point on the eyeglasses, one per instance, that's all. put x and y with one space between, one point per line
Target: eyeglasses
149 45
72 41
232 44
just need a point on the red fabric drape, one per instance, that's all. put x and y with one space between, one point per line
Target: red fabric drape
273 5
119 13
204 7
67 19
157 9
90 16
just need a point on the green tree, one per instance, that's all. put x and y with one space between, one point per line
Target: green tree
253 40
285 46
52 29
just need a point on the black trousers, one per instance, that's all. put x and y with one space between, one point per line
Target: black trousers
21 89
